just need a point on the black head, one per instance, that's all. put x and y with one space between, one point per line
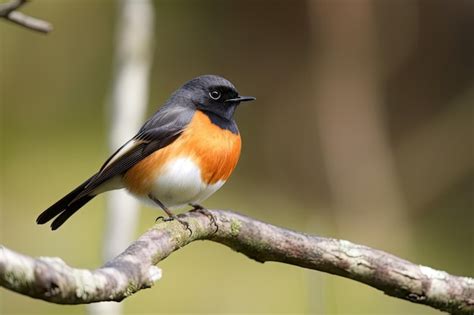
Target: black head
213 95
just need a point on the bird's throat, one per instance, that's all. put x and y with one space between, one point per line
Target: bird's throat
222 122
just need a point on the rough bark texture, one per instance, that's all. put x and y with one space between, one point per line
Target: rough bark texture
52 280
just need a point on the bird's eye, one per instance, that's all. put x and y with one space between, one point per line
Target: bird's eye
215 95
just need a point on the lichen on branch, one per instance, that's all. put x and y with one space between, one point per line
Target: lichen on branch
50 279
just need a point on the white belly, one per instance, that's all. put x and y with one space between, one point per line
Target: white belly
180 183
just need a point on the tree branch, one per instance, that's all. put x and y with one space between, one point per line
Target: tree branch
52 280
7 11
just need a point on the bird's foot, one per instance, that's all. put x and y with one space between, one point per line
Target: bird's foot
165 219
172 218
170 214
184 224
206 212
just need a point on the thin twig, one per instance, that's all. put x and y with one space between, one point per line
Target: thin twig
52 280
7 11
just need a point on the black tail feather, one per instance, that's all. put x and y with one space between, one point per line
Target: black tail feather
69 211
64 208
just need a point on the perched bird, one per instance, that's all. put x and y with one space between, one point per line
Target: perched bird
183 154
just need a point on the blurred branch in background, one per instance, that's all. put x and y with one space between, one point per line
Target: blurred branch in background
8 12
423 154
354 138
52 280
129 98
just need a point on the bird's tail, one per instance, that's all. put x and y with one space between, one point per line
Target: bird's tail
65 207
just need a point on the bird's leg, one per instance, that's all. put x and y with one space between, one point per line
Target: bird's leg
198 208
171 215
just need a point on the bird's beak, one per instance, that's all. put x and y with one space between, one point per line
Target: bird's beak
241 99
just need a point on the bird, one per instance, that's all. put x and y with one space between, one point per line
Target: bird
180 156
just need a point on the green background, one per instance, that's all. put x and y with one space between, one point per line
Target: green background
53 91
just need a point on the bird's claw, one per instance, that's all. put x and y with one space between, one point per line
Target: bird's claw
172 218
185 225
207 213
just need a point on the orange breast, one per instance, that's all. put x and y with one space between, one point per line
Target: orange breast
214 149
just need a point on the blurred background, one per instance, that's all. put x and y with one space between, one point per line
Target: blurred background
362 130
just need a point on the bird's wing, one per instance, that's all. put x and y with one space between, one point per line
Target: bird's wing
158 132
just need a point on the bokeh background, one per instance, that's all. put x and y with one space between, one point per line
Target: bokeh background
362 130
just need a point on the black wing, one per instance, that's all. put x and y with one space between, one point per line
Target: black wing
158 132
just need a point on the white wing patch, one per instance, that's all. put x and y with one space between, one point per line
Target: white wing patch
131 144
